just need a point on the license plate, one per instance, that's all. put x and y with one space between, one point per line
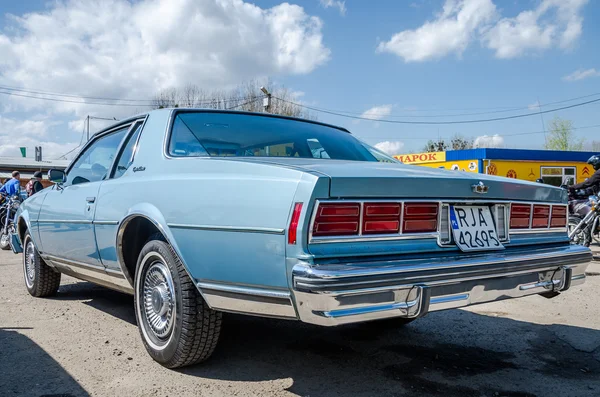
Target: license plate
473 228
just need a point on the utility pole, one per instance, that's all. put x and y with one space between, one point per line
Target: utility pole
87 120
266 100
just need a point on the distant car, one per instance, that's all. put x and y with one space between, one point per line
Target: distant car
284 218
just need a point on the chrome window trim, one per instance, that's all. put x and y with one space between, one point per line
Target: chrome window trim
113 168
435 235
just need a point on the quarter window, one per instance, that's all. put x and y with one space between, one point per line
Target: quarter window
126 157
558 176
94 163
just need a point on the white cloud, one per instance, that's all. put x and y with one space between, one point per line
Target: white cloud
489 141
581 74
534 106
552 23
391 148
15 134
449 33
340 5
377 112
123 49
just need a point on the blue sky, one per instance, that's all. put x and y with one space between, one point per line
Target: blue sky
471 56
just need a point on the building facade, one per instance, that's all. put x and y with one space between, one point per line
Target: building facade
27 167
552 166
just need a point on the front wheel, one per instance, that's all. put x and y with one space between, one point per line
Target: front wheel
177 326
40 279
582 237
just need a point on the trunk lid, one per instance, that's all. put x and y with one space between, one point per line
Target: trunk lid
361 179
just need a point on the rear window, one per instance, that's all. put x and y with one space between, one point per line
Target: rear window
242 135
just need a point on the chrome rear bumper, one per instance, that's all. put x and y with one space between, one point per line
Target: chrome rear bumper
333 294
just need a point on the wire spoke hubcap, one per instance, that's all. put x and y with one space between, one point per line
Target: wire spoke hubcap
29 263
159 300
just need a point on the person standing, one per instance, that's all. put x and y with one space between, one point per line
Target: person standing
13 186
35 184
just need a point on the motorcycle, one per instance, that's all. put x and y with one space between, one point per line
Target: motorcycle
584 218
8 209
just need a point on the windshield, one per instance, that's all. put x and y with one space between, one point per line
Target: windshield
242 135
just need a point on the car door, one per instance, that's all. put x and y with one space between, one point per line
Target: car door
66 217
112 203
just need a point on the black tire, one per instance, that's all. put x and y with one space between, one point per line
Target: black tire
582 237
40 279
186 335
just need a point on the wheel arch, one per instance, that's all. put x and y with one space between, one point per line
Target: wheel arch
133 232
23 224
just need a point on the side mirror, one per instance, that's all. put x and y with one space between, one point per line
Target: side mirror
56 176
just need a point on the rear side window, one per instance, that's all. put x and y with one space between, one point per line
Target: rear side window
241 135
126 157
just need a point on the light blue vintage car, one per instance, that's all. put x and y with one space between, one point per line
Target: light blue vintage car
199 212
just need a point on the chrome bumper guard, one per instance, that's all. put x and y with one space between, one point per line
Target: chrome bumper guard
334 294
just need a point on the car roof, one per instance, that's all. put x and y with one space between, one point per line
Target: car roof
203 110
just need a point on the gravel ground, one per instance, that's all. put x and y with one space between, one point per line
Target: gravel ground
84 342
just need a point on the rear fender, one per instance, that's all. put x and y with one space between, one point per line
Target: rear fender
154 215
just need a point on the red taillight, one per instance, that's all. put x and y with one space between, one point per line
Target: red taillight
541 216
293 229
420 218
559 216
520 214
381 218
337 219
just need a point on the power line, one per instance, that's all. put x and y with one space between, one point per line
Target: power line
439 122
200 103
501 109
244 104
8 88
501 135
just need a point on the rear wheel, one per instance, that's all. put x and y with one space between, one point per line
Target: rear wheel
582 237
177 326
40 279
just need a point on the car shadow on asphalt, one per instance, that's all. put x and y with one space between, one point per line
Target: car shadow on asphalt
451 353
22 358
454 353
112 302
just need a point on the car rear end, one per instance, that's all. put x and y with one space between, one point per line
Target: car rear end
360 257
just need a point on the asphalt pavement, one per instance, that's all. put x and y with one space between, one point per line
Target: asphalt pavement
84 342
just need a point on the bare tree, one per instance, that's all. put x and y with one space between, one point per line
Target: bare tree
246 97
459 142
562 137
166 98
438 145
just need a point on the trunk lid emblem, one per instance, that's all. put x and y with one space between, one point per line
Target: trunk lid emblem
480 188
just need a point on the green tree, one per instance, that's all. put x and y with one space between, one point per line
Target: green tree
561 136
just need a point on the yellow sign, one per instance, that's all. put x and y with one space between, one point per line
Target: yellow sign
422 158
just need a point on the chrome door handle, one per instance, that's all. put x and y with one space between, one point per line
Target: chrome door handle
90 199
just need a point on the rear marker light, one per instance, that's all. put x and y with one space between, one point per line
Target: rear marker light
559 216
541 216
381 218
520 215
293 230
420 218
337 219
